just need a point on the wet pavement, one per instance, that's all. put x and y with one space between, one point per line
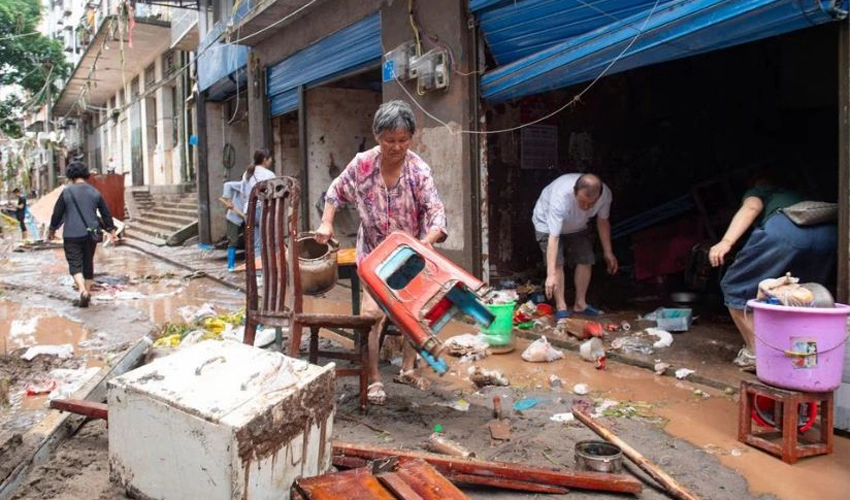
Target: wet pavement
142 292
136 295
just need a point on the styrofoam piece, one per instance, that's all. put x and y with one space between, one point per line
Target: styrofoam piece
220 420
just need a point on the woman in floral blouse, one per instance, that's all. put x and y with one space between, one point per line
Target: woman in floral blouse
393 190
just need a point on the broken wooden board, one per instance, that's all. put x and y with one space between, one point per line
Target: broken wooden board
517 476
500 430
404 479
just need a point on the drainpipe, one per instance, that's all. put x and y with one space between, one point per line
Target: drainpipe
204 228
843 278
478 166
302 145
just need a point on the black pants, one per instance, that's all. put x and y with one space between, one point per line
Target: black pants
79 252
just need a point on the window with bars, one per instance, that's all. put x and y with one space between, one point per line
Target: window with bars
150 75
169 63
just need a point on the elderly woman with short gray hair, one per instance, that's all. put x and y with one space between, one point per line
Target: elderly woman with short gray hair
393 190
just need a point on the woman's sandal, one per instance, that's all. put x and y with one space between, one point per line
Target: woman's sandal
408 377
375 393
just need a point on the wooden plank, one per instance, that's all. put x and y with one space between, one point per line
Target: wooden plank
81 407
398 487
356 483
425 481
508 484
595 481
675 489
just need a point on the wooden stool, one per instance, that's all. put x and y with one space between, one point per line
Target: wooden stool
785 440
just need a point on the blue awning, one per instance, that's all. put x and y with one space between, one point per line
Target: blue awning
349 49
675 29
515 29
220 61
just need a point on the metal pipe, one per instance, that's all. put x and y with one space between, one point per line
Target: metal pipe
305 163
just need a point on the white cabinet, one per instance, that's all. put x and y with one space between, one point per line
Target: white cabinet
220 420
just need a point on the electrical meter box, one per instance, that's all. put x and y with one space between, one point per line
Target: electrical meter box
220 420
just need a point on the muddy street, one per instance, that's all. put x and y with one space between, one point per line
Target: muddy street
686 428
136 295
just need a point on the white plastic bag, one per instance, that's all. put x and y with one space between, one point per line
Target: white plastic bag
541 351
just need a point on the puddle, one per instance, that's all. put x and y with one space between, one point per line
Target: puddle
24 326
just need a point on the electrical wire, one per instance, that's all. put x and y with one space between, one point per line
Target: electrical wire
12 37
281 20
572 102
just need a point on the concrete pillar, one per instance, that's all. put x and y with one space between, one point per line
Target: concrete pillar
449 154
164 134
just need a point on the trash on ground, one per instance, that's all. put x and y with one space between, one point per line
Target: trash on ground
481 377
581 389
445 446
592 350
682 373
665 338
459 405
701 393
527 404
38 388
622 409
633 344
62 351
500 430
541 351
660 368
674 320
70 381
555 382
563 417
468 346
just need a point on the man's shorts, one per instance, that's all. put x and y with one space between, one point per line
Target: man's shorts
577 247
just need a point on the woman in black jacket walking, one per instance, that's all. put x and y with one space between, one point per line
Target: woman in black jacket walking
77 209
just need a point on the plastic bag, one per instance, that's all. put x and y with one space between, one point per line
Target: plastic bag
541 351
787 290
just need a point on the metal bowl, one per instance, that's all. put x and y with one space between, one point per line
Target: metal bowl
685 297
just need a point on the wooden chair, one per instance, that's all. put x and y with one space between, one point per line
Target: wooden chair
278 201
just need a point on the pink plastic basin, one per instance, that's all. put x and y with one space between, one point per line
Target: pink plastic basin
800 348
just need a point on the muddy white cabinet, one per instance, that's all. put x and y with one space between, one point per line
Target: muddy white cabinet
220 420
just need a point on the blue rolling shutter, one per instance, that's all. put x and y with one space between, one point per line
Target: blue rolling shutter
349 49
676 29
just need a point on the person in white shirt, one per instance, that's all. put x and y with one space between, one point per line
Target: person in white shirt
560 222
259 171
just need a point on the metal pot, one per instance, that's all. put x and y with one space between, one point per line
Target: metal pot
317 264
598 456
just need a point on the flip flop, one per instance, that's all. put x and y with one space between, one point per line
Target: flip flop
562 314
589 310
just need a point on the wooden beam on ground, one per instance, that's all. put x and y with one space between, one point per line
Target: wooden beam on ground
81 407
675 489
517 474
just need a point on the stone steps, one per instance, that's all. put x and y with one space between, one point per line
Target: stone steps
164 221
